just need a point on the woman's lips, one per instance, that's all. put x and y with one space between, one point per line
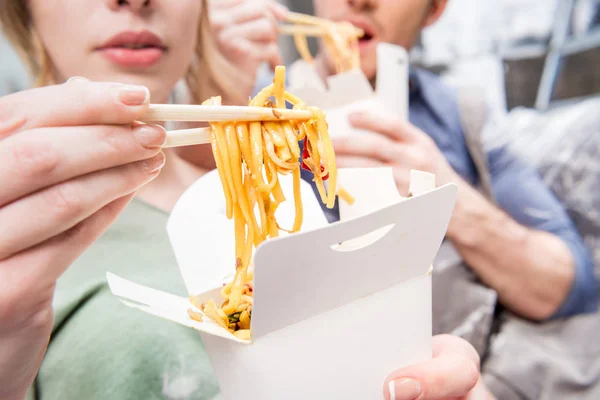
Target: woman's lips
134 49
126 57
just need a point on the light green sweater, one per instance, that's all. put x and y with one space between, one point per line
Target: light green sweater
101 349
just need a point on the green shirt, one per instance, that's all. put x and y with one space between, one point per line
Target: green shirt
101 349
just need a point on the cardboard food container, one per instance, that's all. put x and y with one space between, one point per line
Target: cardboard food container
351 91
337 307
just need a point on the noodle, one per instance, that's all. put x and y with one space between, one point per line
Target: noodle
340 39
250 156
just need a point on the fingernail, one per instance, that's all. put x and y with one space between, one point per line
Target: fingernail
150 135
404 389
132 95
76 78
153 164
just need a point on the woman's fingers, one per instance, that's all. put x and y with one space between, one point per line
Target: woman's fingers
75 103
45 214
30 276
451 374
39 158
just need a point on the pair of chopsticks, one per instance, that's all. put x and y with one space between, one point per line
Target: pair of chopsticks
308 25
196 113
303 24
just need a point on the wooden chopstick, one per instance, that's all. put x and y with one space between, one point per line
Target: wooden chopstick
298 18
305 30
196 113
187 137
304 19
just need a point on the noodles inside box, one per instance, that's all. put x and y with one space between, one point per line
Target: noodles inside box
336 307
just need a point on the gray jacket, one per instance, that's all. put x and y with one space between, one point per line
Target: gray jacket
559 359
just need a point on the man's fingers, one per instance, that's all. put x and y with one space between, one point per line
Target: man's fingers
279 10
249 11
385 124
273 55
357 162
75 103
445 344
375 146
258 30
45 214
452 373
42 157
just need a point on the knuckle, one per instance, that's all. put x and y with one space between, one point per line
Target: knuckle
34 159
99 99
119 141
270 26
63 201
87 100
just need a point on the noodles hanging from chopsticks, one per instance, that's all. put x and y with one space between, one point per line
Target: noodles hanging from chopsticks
340 39
250 157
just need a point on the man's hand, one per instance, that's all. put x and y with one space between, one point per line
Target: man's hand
453 373
393 143
247 34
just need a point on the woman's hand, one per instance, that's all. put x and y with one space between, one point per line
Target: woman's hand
452 374
71 158
247 34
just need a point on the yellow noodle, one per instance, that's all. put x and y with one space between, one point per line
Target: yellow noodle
341 41
250 157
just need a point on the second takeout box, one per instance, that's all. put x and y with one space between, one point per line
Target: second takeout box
336 307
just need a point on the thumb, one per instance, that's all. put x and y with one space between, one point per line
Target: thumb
452 373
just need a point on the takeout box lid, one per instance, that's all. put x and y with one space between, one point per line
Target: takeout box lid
301 275
349 91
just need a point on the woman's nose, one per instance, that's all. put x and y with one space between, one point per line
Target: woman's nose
134 5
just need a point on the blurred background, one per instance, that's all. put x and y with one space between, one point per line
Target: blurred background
538 63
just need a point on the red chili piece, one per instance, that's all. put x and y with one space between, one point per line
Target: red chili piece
305 155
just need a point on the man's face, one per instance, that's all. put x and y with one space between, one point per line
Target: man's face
390 21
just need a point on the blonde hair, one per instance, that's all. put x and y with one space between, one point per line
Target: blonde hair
210 73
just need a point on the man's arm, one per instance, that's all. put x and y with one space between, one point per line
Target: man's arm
531 253
527 248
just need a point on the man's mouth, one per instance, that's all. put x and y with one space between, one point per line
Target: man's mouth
369 31
365 38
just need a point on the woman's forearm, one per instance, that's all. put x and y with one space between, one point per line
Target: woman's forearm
532 271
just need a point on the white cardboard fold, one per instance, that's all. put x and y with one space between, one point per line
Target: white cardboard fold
329 320
351 91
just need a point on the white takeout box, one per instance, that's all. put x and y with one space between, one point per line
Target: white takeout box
329 321
351 91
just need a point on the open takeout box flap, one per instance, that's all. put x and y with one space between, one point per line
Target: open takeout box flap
199 230
203 238
351 91
163 305
309 273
